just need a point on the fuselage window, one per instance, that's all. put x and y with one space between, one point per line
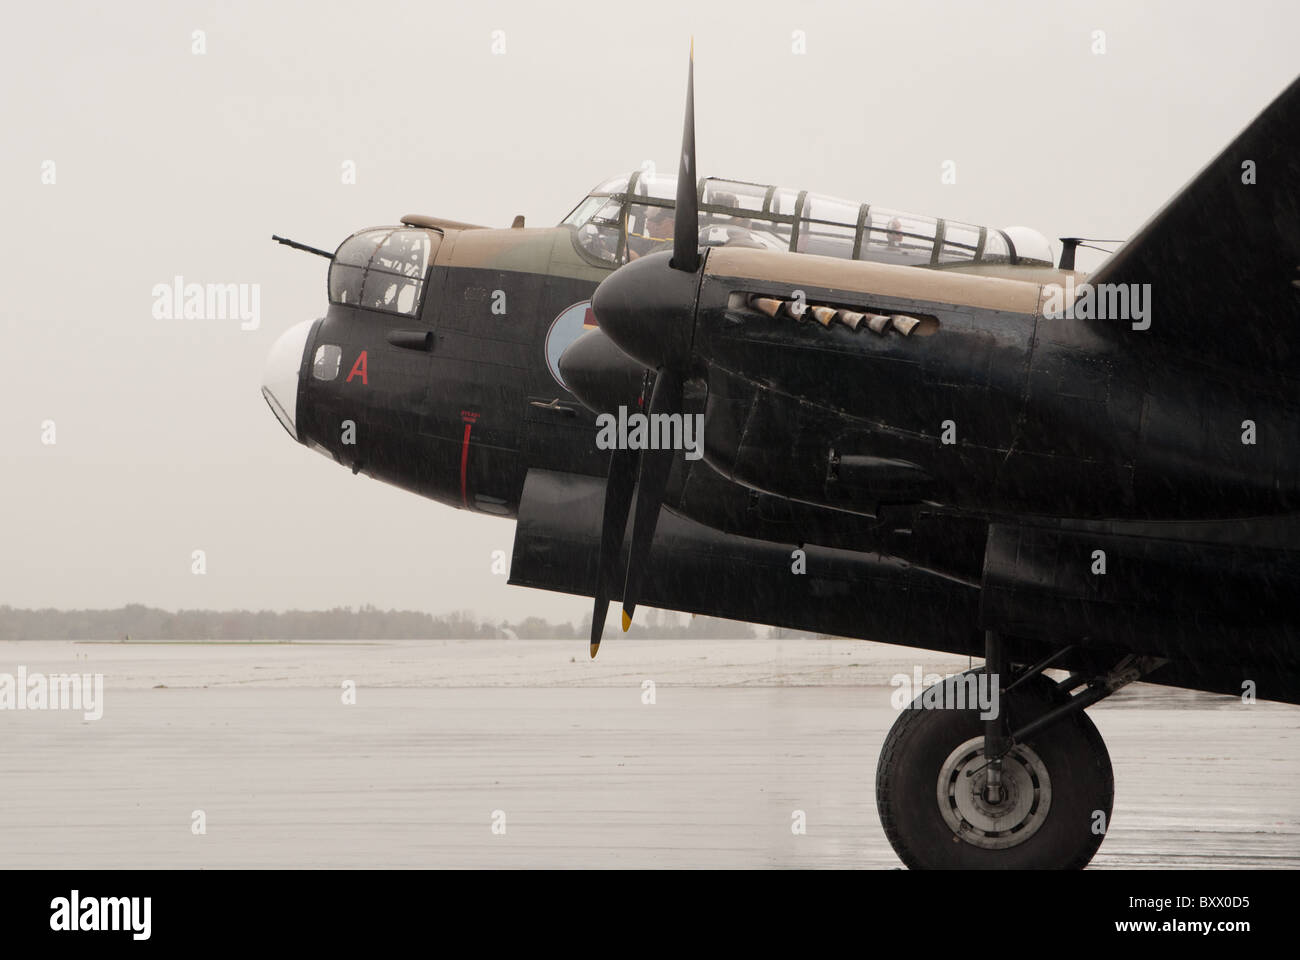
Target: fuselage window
894 237
828 227
996 249
1029 247
345 284
381 270
384 291
629 217
326 364
347 272
742 197
961 242
405 253
598 223
584 211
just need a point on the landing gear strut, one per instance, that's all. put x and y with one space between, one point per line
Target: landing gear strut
1027 786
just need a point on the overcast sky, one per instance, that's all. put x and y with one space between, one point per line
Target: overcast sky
170 163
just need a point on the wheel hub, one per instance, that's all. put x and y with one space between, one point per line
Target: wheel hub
963 796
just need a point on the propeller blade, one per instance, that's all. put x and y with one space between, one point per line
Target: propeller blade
650 317
653 480
618 501
686 224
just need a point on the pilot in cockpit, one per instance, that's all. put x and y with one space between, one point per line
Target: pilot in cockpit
895 233
658 234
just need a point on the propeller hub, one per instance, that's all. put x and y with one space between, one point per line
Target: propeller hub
647 309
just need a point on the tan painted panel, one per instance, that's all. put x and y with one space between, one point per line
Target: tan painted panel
503 249
881 279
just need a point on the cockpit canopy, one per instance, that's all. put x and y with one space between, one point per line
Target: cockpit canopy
381 269
630 216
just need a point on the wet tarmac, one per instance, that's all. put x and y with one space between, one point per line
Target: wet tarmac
527 754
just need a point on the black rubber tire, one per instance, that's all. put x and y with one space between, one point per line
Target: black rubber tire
1071 749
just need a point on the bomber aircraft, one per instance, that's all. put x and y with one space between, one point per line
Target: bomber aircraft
976 449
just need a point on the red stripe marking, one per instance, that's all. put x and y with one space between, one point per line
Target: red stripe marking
464 462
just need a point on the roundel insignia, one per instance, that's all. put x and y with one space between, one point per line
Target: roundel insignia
572 323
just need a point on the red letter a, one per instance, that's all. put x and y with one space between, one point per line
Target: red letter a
359 367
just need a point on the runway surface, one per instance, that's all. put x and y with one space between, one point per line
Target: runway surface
448 739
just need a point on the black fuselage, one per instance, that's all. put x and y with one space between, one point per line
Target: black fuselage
462 402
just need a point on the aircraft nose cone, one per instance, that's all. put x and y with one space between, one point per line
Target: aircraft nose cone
280 379
648 310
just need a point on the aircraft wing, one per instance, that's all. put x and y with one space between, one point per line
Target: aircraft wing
1223 256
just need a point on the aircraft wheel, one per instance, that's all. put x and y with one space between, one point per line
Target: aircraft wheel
1057 788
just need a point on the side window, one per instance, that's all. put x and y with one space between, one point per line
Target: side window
326 364
828 227
345 284
405 253
381 270
960 242
598 227
600 240
395 277
394 294
349 266
996 249
894 237
742 197
584 211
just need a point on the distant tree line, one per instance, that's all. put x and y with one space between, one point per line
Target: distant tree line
138 622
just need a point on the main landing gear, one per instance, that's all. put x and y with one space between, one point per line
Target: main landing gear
1028 788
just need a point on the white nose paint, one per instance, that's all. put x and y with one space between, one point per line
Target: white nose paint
280 379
